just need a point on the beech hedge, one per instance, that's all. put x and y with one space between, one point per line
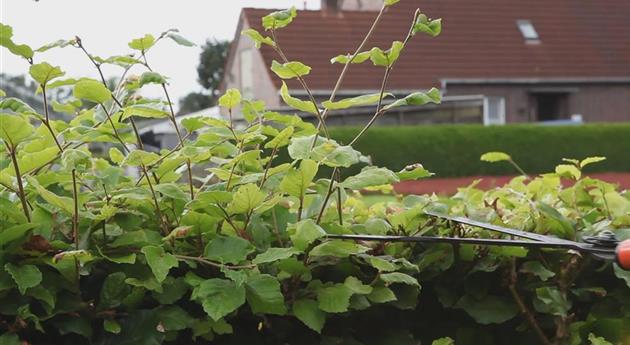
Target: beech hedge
454 150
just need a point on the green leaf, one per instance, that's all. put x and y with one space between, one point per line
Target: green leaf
417 98
550 300
297 181
391 2
622 274
334 299
179 39
493 157
6 33
370 176
214 197
144 110
509 251
137 158
282 139
252 110
536 268
15 129
382 294
172 190
151 78
290 70
355 101
16 105
258 38
264 296
114 290
43 72
55 44
357 286
10 339
488 310
393 53
219 297
174 318
398 277
116 156
306 232
75 159
64 203
172 290
228 249
91 90
443 341
305 106
279 19
274 254
591 160
307 311
111 326
595 340
246 198
556 222
338 248
413 172
14 233
381 264
344 59
431 27
26 276
230 99
326 151
569 171
142 43
159 261
379 57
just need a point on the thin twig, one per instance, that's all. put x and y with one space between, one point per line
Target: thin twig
328 193
212 263
75 215
47 116
18 176
378 107
302 82
523 308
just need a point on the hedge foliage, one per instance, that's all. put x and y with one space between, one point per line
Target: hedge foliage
131 249
454 150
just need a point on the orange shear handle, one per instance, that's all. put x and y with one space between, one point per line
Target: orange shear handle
622 253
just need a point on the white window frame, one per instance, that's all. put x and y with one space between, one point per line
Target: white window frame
487 121
246 73
528 31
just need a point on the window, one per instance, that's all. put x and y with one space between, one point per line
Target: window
551 106
493 111
247 73
528 31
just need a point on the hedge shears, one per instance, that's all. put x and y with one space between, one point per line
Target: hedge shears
604 246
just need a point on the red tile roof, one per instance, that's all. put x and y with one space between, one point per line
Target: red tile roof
480 39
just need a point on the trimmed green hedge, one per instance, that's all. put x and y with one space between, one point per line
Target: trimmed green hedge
454 150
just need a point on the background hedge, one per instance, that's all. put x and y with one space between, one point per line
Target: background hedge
454 150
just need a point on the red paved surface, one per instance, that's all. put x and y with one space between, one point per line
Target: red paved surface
450 185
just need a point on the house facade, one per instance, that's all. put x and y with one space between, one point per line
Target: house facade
496 61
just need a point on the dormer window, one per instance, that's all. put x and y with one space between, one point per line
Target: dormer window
528 31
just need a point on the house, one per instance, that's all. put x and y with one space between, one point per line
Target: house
496 61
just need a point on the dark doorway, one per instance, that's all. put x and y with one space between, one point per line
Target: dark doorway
551 106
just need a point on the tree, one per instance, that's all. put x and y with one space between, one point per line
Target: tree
210 72
195 101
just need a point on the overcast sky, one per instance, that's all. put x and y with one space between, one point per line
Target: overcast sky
106 26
